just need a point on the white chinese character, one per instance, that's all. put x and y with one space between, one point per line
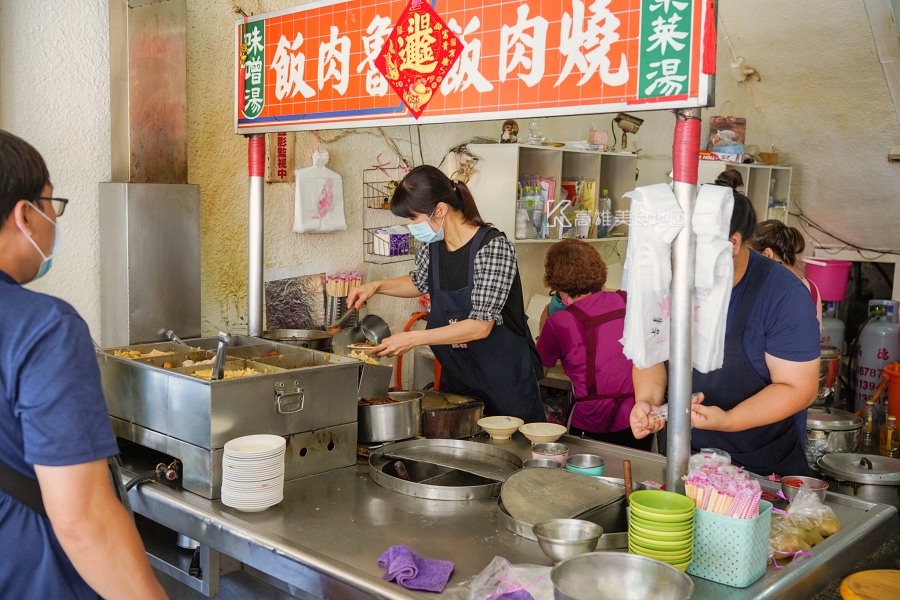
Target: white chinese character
665 4
253 41
670 82
465 70
664 34
378 30
288 64
334 61
623 217
595 39
516 39
252 101
253 71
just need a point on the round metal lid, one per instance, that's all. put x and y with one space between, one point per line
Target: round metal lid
862 468
832 419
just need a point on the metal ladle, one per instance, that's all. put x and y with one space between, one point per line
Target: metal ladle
372 328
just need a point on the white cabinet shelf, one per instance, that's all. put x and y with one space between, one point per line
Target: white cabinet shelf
502 166
763 184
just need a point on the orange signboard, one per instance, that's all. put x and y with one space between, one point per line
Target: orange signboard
316 66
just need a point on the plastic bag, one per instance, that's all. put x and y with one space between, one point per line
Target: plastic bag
806 523
319 198
503 581
727 134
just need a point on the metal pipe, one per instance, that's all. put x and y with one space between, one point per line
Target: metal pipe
684 161
255 238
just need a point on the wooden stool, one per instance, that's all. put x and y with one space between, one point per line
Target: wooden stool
881 584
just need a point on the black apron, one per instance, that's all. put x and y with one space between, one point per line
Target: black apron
589 327
497 369
772 448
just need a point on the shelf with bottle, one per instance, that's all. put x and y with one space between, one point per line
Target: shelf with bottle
520 189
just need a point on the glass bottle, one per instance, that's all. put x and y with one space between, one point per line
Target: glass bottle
890 438
871 432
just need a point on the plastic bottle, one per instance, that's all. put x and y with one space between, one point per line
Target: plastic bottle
538 214
604 206
890 438
871 432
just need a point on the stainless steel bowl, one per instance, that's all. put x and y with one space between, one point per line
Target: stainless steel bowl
817 485
618 576
564 538
552 449
541 463
372 328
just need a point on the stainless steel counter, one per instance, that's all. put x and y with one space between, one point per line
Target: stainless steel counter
327 534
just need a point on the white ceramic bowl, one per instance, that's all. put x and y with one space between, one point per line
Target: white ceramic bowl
542 433
500 428
255 446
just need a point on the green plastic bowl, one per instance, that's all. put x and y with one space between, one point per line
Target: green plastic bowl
669 557
659 546
662 536
683 566
652 517
680 526
661 502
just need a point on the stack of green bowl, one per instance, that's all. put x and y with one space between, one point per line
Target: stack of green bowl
661 526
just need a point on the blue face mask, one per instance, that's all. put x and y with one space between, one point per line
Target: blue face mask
424 233
57 245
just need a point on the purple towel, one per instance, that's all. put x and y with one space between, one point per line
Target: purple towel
414 573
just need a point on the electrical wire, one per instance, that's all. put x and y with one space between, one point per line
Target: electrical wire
805 222
419 135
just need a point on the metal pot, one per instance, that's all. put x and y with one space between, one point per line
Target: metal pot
307 338
867 476
831 431
391 422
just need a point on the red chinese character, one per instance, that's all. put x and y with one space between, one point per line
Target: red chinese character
282 173
883 354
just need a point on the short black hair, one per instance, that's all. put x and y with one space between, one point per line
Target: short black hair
23 173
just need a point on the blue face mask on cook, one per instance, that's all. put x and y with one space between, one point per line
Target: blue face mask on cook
424 233
57 245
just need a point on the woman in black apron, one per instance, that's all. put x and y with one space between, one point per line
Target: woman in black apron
477 326
739 411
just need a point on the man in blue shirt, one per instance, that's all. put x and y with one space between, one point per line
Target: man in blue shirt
53 422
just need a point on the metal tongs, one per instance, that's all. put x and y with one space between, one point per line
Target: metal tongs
218 370
170 335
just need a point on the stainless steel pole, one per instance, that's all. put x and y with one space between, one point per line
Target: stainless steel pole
255 238
678 449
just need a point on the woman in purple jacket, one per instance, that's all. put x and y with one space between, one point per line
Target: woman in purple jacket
585 339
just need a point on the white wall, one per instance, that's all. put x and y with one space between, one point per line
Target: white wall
822 94
54 93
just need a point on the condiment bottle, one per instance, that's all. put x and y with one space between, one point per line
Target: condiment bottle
871 433
890 438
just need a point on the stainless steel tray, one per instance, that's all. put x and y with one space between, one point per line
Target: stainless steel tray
613 519
436 482
299 390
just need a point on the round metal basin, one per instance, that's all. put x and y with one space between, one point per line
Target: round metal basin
443 469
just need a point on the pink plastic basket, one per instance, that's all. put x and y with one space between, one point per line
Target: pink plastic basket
831 279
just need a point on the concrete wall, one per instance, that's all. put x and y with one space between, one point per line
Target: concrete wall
54 92
823 99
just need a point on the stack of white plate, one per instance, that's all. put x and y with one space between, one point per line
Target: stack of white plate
253 472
